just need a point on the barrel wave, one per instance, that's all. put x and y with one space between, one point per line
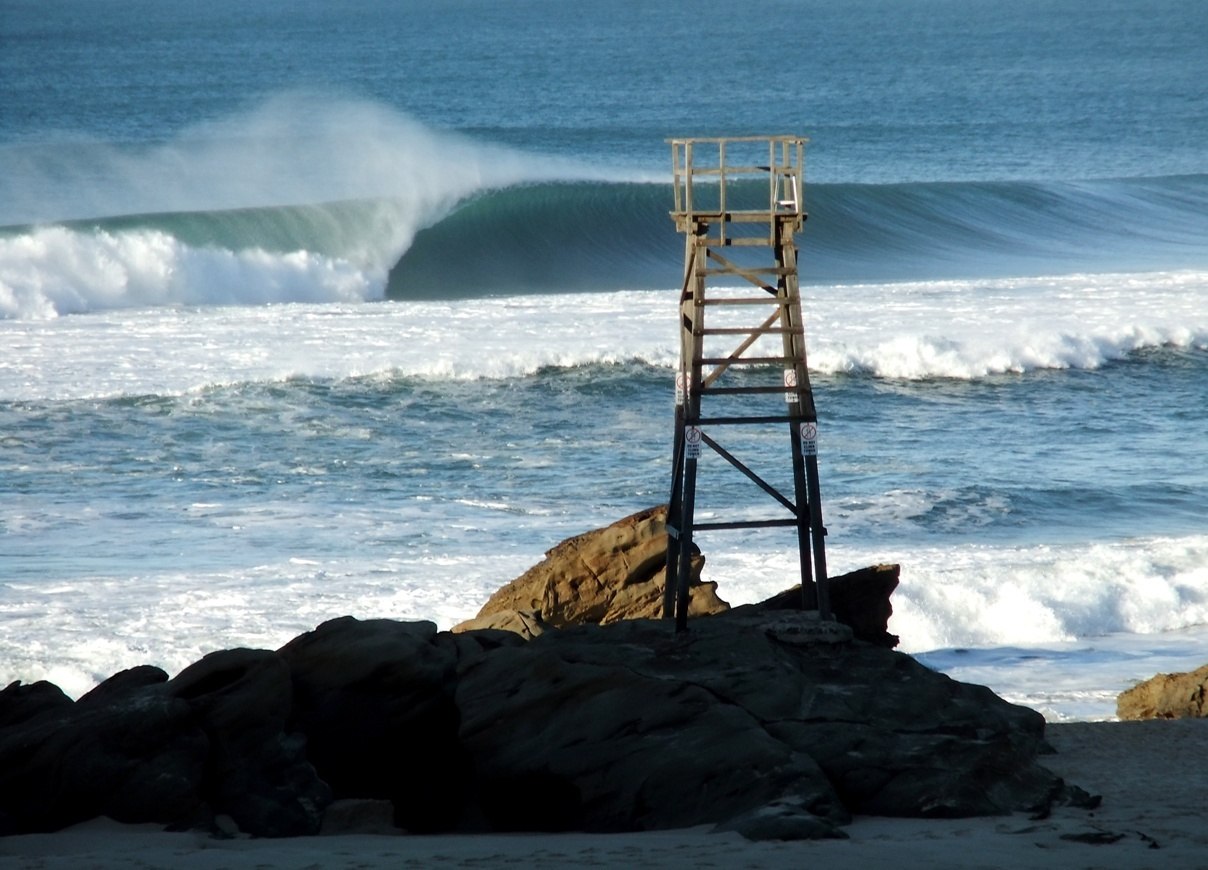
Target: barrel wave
578 236
563 237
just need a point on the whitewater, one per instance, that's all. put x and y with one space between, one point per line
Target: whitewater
370 331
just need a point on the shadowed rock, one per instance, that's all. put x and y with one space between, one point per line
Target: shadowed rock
139 749
859 599
134 759
653 729
769 722
256 768
375 699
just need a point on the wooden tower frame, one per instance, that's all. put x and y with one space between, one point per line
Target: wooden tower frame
742 195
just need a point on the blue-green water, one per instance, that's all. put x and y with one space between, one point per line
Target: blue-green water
358 307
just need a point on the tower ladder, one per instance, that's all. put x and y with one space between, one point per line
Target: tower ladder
738 201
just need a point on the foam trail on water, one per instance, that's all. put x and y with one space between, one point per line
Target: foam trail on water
971 329
890 331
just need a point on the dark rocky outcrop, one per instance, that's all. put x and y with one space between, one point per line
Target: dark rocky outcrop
1166 696
741 713
562 706
141 749
768 722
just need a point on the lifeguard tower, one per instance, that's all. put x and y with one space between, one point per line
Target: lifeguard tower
739 203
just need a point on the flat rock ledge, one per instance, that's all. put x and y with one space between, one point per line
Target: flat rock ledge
767 722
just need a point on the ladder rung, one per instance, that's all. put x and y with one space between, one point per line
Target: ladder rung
737 391
738 421
740 330
744 524
738 270
735 216
730 169
740 242
753 300
746 360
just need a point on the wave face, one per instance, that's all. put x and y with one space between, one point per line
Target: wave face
562 237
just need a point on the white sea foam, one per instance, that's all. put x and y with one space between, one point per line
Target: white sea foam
961 330
973 595
77 633
1063 630
971 329
53 271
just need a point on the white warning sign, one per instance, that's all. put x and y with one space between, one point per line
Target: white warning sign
682 382
809 439
692 438
790 385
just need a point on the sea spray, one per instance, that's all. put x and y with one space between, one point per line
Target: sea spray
301 198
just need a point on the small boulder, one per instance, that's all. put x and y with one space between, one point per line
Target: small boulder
859 599
528 624
603 576
1166 696
125 682
20 702
783 820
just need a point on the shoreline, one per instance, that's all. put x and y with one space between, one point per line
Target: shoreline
1152 815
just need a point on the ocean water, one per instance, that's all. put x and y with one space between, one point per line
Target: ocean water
359 307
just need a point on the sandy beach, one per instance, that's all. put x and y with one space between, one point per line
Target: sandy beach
1155 802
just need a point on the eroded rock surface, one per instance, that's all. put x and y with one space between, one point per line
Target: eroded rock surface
1166 696
603 576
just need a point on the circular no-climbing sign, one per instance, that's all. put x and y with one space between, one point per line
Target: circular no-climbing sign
790 385
682 380
809 439
692 439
